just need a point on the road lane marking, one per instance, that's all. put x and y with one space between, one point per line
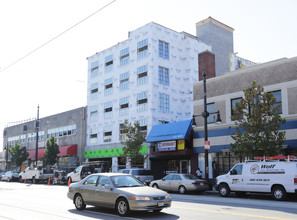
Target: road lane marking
233 213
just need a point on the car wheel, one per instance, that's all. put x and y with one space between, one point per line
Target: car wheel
279 193
182 190
79 202
8 180
155 185
33 180
224 190
122 207
21 179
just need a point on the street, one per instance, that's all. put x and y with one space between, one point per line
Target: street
21 201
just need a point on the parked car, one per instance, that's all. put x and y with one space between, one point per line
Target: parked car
144 175
180 183
1 174
10 176
122 192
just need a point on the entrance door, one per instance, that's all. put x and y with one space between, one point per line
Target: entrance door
183 166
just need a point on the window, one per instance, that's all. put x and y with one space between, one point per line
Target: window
124 81
94 69
94 91
278 97
93 136
62 131
142 101
142 77
107 110
211 110
94 113
123 135
124 56
163 50
107 134
124 106
233 105
103 181
176 177
108 86
163 76
163 102
92 180
108 63
142 48
237 170
143 127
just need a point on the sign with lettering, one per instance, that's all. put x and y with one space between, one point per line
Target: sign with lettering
167 146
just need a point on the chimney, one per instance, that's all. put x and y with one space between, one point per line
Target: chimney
206 61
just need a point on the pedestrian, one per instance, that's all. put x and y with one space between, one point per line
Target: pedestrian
199 173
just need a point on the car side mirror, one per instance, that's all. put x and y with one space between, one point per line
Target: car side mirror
163 179
108 186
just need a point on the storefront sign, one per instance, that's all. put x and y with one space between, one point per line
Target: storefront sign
167 146
181 144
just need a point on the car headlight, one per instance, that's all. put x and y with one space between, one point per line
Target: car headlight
167 196
144 198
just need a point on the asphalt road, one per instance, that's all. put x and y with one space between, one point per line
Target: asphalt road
20 201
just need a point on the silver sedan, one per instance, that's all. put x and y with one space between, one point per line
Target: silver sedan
180 183
123 192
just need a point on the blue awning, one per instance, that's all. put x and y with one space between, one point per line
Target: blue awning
171 131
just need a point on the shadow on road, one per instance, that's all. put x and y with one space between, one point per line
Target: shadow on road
96 212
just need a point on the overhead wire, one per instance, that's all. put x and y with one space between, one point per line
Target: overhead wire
49 41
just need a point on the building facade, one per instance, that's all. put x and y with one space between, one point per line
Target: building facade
147 78
278 77
69 129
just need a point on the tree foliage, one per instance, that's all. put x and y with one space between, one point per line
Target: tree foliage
51 152
132 143
258 122
18 154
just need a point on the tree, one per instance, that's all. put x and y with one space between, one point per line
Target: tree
258 122
132 143
51 152
18 154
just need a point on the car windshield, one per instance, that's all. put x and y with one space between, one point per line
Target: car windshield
190 177
141 172
125 181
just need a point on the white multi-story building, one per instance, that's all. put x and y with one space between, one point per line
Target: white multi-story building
147 78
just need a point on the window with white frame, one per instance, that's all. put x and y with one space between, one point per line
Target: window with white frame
211 110
278 97
124 56
164 102
62 131
124 106
107 110
233 105
108 63
94 113
94 69
143 126
108 86
163 76
142 104
124 81
123 136
163 49
93 136
107 133
142 48
94 91
142 77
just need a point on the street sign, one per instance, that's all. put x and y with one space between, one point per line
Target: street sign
207 145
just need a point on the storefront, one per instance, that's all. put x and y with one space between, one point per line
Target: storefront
171 148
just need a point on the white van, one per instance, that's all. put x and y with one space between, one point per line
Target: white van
268 176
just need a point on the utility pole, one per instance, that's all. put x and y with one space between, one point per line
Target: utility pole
37 129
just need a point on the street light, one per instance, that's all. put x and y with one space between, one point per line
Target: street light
205 115
36 129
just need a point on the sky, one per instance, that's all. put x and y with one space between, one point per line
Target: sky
44 44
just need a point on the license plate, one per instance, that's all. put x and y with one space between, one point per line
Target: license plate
160 204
